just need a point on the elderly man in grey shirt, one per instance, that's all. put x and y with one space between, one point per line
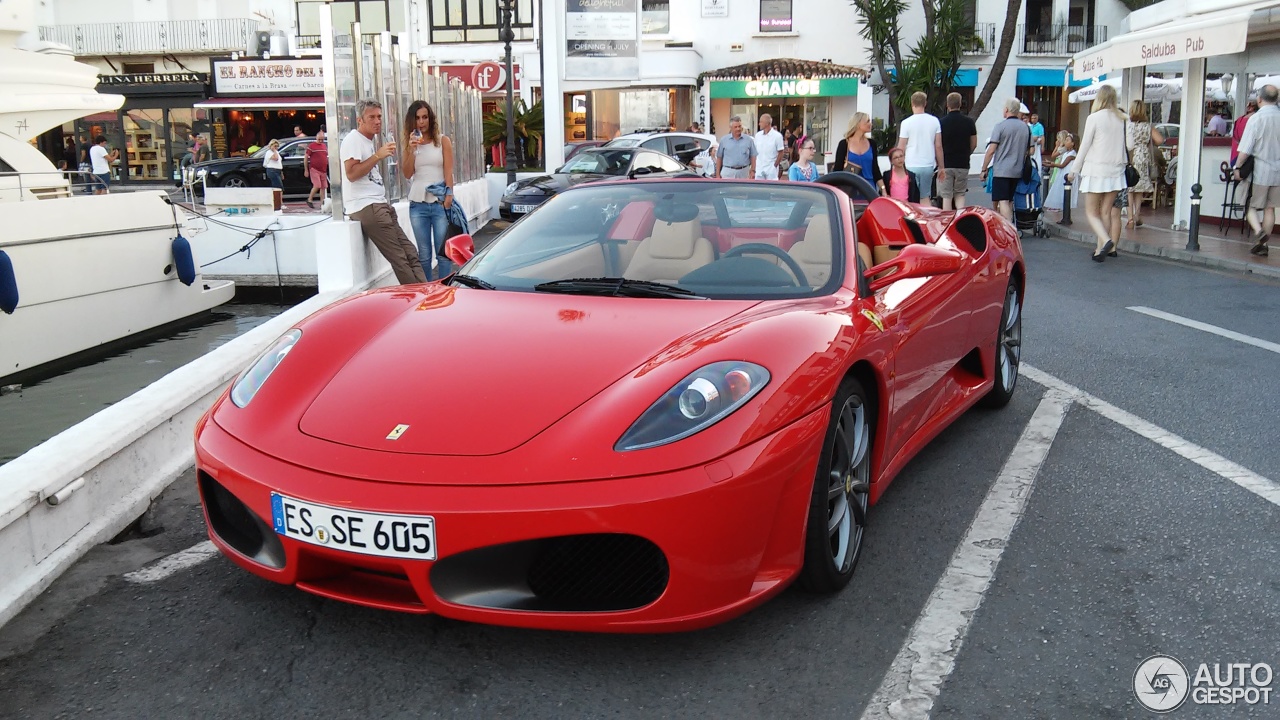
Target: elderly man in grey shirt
736 157
1261 144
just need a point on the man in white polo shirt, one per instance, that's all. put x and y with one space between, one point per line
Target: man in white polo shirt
769 149
920 137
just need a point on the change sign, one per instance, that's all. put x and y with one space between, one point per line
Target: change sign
602 40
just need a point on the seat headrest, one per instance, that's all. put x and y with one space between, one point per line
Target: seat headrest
816 246
675 212
675 240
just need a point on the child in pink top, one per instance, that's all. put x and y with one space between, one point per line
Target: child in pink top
902 183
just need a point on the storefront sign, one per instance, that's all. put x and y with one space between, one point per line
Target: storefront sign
715 8
1174 42
602 40
785 87
487 77
219 139
191 78
268 77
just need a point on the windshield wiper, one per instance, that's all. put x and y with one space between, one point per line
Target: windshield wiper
472 282
617 286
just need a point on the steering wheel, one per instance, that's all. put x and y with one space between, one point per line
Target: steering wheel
855 186
767 249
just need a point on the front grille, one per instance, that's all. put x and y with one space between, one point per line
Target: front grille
599 572
238 526
574 573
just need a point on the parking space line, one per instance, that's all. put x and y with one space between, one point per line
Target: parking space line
927 657
1206 327
1263 487
170 564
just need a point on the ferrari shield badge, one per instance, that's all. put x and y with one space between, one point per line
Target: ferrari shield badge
874 318
397 432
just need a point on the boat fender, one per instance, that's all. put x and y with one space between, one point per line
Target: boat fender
8 285
183 261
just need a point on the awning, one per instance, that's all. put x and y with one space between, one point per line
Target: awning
1215 33
1047 77
264 103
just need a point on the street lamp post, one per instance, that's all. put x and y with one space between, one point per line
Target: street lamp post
507 36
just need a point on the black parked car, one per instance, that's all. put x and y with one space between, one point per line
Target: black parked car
248 171
587 165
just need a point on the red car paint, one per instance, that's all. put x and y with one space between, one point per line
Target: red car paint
514 402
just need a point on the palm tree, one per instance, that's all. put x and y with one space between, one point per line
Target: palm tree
528 126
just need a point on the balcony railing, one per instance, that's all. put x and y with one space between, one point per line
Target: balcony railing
983 40
312 42
1060 40
154 38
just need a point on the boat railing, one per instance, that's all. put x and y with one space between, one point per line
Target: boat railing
46 184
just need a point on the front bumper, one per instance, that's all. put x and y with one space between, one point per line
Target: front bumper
675 551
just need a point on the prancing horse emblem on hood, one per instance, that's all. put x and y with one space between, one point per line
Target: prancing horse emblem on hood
397 432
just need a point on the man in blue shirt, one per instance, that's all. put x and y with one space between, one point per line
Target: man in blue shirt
736 157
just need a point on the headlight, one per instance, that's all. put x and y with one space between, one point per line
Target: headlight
695 404
251 381
202 172
512 187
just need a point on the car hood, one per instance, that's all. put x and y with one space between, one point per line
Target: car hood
474 372
552 184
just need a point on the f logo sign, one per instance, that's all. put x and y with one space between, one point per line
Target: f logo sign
488 76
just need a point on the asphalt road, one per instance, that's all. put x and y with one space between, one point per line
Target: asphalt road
1132 542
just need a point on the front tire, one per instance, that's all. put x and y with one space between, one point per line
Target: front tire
841 493
1008 354
234 181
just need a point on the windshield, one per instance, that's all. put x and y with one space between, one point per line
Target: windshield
714 240
613 162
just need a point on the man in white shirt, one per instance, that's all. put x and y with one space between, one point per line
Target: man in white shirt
920 137
100 158
769 149
1261 144
364 199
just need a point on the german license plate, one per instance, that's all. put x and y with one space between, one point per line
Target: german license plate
412 537
523 208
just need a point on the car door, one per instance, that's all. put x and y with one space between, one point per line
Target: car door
931 334
295 170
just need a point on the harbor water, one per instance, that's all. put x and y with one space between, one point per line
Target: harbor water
34 413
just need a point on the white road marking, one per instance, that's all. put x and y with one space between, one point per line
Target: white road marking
1263 487
928 656
1206 327
166 566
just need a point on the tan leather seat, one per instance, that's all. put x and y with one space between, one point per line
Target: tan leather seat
813 253
674 249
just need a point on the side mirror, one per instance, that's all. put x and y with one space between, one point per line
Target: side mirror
915 261
459 248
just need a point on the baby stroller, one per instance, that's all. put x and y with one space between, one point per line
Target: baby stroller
1027 201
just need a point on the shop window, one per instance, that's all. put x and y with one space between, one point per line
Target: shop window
137 68
655 17
462 21
146 145
775 16
374 16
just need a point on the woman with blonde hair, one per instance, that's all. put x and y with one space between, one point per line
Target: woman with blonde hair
1098 170
856 153
1141 140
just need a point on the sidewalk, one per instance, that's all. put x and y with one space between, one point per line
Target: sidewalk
1226 249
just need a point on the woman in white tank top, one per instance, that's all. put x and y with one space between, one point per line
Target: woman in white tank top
428 160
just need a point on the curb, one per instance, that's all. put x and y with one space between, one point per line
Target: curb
1181 255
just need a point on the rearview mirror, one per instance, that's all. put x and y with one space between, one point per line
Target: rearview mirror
915 261
460 248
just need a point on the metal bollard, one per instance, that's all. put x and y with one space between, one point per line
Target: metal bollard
1193 229
1066 202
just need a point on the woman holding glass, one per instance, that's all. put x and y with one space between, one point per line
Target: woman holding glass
428 162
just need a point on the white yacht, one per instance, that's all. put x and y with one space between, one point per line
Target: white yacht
77 271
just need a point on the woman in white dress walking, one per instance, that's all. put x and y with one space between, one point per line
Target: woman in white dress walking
1098 170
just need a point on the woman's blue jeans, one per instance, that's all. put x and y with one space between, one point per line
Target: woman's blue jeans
430 224
276 178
